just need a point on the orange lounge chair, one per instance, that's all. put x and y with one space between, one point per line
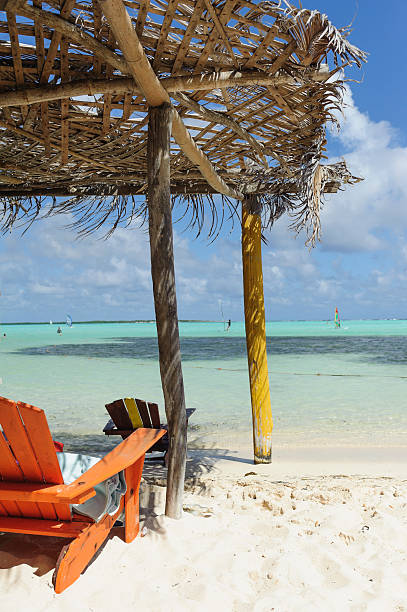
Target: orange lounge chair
35 500
128 414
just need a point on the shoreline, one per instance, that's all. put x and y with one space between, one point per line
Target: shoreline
297 462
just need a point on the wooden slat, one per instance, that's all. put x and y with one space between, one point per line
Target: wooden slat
21 448
41 440
165 28
43 446
222 34
77 555
154 415
118 432
39 41
283 57
64 47
47 67
97 24
141 17
213 36
58 529
128 98
143 410
131 506
55 41
34 492
15 47
119 415
107 98
186 39
45 129
18 440
133 412
9 469
268 38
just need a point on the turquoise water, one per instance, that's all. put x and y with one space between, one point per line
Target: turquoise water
329 387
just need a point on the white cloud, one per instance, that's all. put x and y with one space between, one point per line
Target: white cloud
355 220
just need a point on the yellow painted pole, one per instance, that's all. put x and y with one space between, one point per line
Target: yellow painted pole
256 330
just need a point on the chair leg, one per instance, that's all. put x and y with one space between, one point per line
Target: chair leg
74 557
131 503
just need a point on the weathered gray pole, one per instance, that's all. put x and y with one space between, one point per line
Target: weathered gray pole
165 300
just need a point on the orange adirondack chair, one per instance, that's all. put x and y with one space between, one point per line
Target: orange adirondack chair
34 499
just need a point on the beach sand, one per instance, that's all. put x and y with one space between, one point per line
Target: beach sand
316 530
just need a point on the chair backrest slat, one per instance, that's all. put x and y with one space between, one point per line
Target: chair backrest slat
134 415
18 440
41 442
9 468
154 415
119 415
143 411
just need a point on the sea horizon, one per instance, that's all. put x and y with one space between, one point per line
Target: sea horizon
101 321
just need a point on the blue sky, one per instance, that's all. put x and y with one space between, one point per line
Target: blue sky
360 264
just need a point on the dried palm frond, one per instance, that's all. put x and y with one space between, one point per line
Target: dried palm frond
75 126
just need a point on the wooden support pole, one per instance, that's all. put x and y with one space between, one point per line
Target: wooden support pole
256 329
165 300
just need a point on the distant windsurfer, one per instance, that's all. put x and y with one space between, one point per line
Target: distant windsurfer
59 330
337 320
229 323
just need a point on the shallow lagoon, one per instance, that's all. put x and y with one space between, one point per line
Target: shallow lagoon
329 387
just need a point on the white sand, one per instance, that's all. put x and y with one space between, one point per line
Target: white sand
285 537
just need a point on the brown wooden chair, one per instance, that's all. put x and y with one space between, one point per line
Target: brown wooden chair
35 500
128 414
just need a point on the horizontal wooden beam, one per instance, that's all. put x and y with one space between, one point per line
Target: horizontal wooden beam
120 85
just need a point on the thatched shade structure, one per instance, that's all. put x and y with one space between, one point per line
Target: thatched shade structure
245 89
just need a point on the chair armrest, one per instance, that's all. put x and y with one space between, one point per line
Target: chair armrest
81 489
121 457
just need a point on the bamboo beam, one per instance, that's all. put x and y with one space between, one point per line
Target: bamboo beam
155 94
216 80
216 117
255 321
165 300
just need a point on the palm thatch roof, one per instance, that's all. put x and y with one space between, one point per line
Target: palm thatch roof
252 85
